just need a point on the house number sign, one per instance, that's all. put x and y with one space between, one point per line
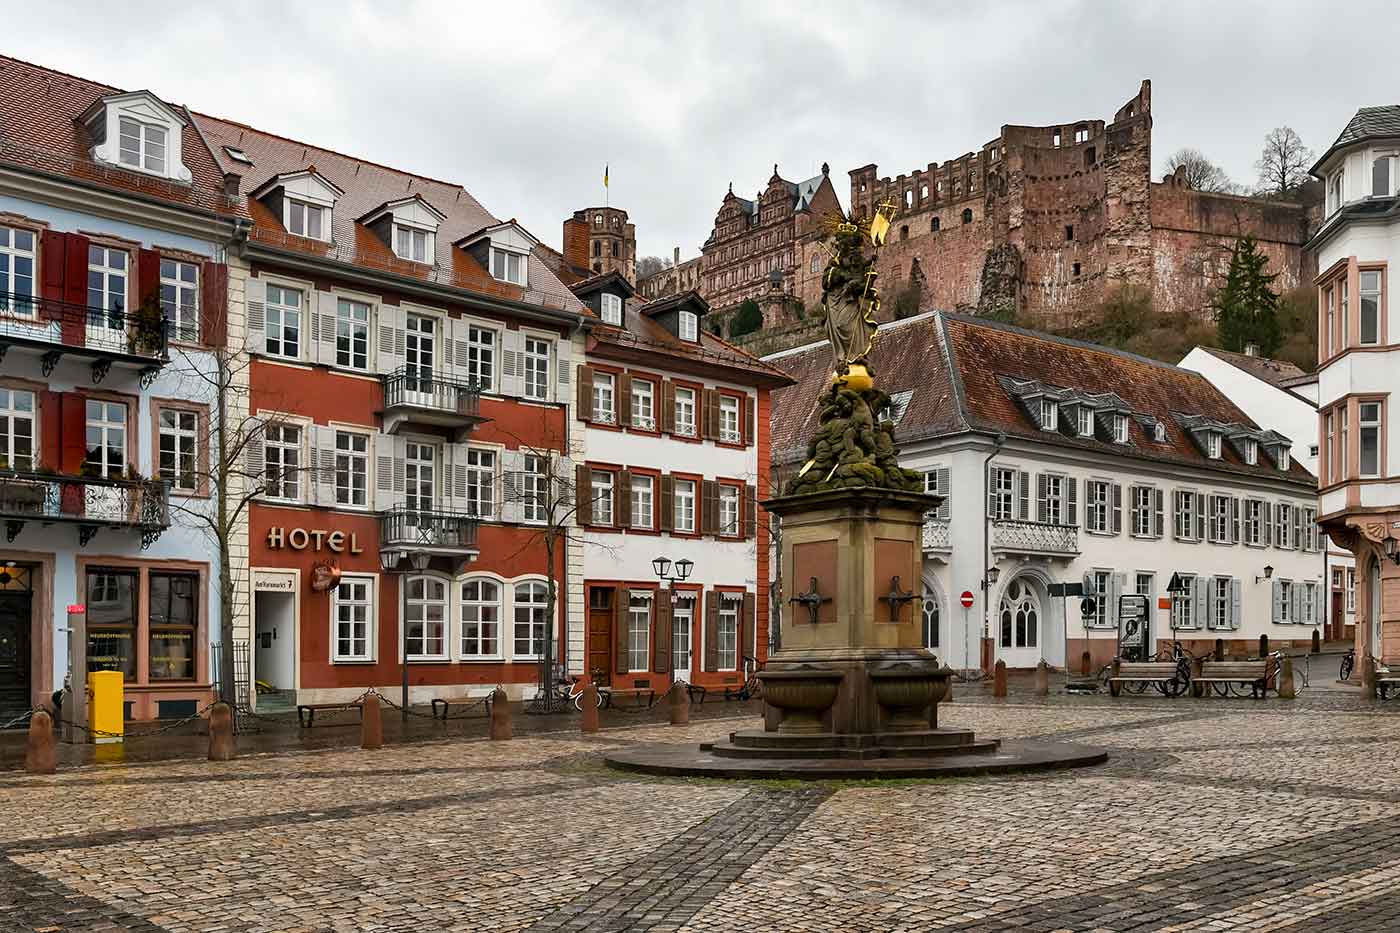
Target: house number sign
299 539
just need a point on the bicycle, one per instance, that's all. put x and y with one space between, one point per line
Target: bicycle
1348 665
752 688
570 690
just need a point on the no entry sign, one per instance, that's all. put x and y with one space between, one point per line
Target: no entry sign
966 599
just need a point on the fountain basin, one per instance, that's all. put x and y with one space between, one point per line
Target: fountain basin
802 695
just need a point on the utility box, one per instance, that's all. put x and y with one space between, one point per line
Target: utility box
107 706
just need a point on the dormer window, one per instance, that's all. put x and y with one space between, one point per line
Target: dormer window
1120 429
408 226
1281 458
507 266
413 245
503 250
689 326
1086 421
1159 432
142 145
1250 449
612 309
306 220
1212 439
1049 414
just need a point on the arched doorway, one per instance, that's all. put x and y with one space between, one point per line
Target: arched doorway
1018 624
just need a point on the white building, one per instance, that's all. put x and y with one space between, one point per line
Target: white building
1359 366
675 461
1064 462
1281 397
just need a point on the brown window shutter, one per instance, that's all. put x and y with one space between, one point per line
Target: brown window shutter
147 277
73 440
750 516
709 511
668 503
711 630
51 259
213 304
624 399
585 393
661 633
668 406
622 499
750 435
747 626
620 607
583 494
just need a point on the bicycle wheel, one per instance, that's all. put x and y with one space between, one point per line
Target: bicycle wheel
1348 665
1138 686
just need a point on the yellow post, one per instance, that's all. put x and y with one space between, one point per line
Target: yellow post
107 708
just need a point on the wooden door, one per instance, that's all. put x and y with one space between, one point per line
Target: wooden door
14 655
1338 626
600 635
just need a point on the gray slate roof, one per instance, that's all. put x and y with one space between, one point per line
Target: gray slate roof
1369 123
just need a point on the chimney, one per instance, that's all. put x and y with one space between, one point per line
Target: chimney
576 243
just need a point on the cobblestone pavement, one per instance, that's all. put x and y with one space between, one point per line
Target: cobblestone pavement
1210 815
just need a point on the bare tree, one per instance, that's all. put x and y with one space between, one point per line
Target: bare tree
1283 165
1200 172
650 265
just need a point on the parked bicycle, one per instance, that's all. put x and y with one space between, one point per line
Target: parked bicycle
752 688
1348 664
569 689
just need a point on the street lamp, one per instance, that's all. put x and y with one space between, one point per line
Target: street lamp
663 566
1268 574
419 561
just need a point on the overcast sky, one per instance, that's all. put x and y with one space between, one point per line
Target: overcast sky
524 103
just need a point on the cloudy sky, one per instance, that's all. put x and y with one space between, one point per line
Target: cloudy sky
524 103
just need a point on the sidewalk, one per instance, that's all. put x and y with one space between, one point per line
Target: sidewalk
281 733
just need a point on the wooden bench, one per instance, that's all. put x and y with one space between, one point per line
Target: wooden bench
306 712
638 692
1387 675
1254 673
1155 672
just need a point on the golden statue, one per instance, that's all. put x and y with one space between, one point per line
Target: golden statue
850 300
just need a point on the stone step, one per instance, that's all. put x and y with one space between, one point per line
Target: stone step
778 753
924 738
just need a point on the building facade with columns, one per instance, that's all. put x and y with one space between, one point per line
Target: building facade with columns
1066 463
1358 363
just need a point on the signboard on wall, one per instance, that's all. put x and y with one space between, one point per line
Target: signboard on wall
324 576
299 539
279 583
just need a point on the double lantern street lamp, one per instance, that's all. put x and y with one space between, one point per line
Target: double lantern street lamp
662 566
419 560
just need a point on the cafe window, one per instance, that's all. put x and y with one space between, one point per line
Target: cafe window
111 620
173 621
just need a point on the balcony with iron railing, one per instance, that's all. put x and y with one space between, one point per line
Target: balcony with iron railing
92 503
138 340
938 536
435 531
415 397
1034 539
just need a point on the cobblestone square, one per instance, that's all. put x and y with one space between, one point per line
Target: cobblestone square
1210 815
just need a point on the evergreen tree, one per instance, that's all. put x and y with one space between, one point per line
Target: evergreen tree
1246 308
747 319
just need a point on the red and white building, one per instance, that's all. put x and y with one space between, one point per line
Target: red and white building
408 352
675 426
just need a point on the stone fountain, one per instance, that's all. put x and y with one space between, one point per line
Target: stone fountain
852 692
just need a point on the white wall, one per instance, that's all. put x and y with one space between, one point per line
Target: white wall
1271 407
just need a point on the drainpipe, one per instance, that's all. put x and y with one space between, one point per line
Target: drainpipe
986 545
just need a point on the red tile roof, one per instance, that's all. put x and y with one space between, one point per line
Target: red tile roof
39 129
954 364
1278 373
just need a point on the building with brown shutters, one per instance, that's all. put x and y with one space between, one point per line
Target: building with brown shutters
675 459
114 227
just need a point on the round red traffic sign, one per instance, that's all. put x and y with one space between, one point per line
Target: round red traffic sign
966 599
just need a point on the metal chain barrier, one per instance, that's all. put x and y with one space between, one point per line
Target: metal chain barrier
124 736
656 701
21 718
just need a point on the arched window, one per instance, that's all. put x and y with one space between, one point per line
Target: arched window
967 215
1019 616
425 617
481 618
934 224
530 622
816 261
931 613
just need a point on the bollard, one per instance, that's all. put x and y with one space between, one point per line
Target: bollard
1263 646
1368 676
588 722
680 705
221 732
1086 663
1287 690
1114 687
39 754
999 679
1316 643
501 728
1042 679
371 723
1219 650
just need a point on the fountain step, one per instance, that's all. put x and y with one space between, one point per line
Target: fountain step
730 750
925 738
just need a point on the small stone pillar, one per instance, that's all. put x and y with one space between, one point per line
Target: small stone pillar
1042 679
221 732
39 754
1368 676
1263 646
588 721
1197 689
1086 663
1316 642
501 728
999 679
1287 689
1114 687
680 705
371 722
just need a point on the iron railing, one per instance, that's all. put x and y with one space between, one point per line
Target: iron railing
36 321
409 528
1034 537
87 501
406 388
938 535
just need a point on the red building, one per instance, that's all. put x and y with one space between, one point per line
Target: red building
410 368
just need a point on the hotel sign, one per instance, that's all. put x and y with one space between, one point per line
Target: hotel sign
299 539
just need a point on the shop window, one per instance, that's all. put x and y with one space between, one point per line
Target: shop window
173 622
111 620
